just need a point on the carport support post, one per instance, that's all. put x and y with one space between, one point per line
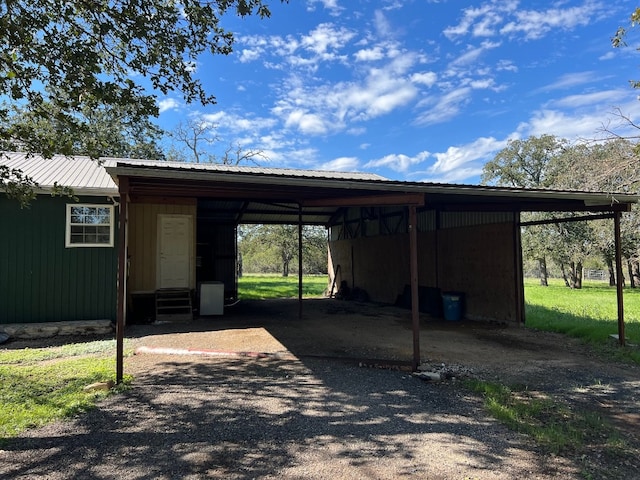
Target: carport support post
415 306
619 277
299 261
123 190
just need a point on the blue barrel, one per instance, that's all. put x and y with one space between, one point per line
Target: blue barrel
452 303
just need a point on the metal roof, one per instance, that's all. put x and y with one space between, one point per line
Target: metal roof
265 195
111 162
258 178
84 175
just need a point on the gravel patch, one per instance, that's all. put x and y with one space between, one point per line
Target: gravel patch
245 418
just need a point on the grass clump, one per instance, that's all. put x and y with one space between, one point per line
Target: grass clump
41 385
552 424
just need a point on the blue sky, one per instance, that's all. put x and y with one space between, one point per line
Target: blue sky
417 90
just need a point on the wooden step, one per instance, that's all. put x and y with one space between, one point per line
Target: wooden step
174 304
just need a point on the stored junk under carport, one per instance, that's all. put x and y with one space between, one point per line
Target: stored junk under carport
389 239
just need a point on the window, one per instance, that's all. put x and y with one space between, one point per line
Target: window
89 225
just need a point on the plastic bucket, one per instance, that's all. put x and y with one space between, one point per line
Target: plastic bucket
452 305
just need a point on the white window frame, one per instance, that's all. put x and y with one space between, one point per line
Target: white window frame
68 225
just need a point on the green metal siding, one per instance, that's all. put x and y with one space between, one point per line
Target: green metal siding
40 279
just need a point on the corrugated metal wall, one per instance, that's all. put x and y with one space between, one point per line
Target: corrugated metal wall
371 222
40 279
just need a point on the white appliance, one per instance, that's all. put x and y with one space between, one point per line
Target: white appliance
211 298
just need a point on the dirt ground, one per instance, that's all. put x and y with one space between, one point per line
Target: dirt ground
273 370
381 336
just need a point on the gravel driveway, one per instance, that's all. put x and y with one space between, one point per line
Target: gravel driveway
287 419
291 416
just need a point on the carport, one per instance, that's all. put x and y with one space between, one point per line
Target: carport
445 234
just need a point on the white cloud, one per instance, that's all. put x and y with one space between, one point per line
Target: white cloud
383 27
534 24
369 54
307 123
424 78
563 125
398 161
459 175
168 104
458 158
444 108
326 108
508 18
342 164
325 39
250 54
230 122
473 53
607 56
481 21
570 80
607 97
322 44
331 5
585 118
506 66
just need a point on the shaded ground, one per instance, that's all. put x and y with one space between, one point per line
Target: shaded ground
307 409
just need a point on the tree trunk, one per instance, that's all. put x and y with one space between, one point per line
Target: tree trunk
544 274
285 268
632 278
636 274
564 275
578 276
572 275
612 272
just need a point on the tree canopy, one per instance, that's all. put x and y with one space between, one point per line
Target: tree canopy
524 163
60 59
548 162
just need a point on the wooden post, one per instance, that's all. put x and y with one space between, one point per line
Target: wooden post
619 277
300 262
415 304
123 189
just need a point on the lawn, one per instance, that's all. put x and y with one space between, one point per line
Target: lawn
589 313
39 385
263 286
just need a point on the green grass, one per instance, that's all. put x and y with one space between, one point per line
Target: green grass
552 424
589 313
265 286
41 385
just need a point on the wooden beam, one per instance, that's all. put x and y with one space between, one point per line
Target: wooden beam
415 303
399 199
515 206
163 200
581 218
123 190
619 289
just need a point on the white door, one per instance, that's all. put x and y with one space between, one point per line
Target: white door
174 251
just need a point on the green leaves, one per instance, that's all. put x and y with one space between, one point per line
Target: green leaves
68 56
